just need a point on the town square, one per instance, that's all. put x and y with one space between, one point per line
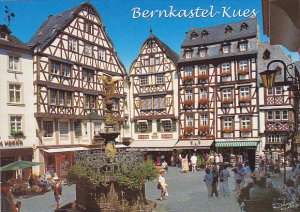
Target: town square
149 110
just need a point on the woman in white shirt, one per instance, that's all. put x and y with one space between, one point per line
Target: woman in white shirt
162 185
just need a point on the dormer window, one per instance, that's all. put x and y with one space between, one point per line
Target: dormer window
150 44
3 36
228 29
194 35
204 34
244 26
202 52
188 54
243 46
266 55
226 49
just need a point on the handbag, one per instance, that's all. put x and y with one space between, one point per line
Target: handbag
158 186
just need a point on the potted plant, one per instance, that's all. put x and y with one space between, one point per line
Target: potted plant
203 101
188 129
225 74
187 79
203 128
246 130
227 130
243 72
227 101
189 102
245 99
200 163
203 76
17 133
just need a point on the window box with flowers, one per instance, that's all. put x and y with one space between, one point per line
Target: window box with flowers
243 72
245 99
227 101
203 101
227 130
188 79
203 128
246 130
188 130
203 76
225 74
189 102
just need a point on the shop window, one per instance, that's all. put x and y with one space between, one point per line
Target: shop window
64 130
48 128
77 129
97 128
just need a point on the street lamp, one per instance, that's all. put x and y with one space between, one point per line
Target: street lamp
195 142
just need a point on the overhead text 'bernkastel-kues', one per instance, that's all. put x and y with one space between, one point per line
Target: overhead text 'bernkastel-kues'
211 12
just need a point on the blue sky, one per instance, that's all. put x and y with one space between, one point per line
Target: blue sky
127 33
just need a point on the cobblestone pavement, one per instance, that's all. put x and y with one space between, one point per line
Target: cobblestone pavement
187 192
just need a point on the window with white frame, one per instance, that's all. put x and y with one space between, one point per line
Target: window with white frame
270 115
227 123
188 71
269 91
285 115
188 54
244 92
73 44
88 50
243 46
277 115
188 95
274 138
202 53
48 128
151 61
226 49
203 93
160 79
243 65
144 80
61 95
15 93
88 75
115 105
227 93
55 68
53 97
204 120
203 69
146 62
90 102
13 63
190 120
88 27
69 99
225 67
97 128
64 129
157 60
245 122
143 126
166 125
101 54
66 70
15 124
278 90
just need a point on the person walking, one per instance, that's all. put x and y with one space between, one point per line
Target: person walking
162 185
194 162
224 175
208 179
57 191
214 186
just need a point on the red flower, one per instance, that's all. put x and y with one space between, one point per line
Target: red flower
227 130
227 101
203 128
203 101
188 79
246 130
225 74
203 76
189 102
243 72
245 99
188 129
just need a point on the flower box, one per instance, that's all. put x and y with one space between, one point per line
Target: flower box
243 72
203 101
227 101
189 102
245 99
203 128
225 74
188 79
246 130
203 76
188 129
227 130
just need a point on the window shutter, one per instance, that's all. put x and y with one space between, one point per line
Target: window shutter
149 104
158 125
156 103
149 126
161 103
136 128
174 128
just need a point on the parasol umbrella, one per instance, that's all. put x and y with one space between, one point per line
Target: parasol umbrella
19 165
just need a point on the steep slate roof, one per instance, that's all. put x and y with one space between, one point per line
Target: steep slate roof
12 42
276 53
54 24
216 34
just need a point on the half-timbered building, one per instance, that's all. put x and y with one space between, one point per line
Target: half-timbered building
17 133
277 106
217 88
154 87
72 56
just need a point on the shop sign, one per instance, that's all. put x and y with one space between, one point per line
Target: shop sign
143 137
154 136
166 135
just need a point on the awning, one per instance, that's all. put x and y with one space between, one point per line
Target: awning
186 144
71 149
276 107
236 144
154 145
